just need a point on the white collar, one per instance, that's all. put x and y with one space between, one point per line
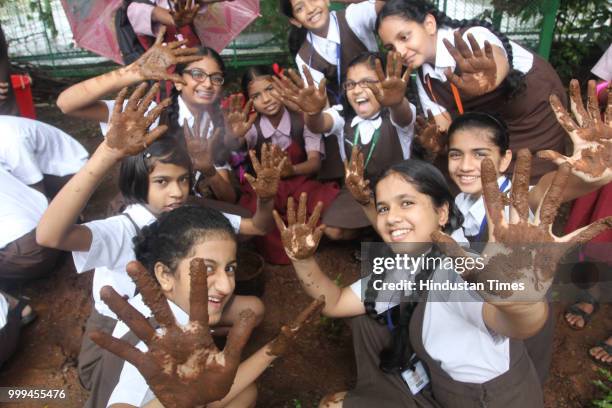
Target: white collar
185 113
473 209
443 58
180 315
367 127
333 31
140 214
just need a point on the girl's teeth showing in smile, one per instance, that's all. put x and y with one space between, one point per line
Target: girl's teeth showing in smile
399 234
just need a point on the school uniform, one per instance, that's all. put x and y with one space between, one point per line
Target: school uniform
351 32
383 144
475 228
530 120
34 151
21 208
110 251
467 364
293 137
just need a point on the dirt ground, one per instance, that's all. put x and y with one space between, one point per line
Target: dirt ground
322 361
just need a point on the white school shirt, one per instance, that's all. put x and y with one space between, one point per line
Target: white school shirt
21 208
112 249
454 332
474 211
132 388
184 114
522 60
29 149
361 18
367 127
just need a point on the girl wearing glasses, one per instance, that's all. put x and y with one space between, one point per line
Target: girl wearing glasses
378 120
198 79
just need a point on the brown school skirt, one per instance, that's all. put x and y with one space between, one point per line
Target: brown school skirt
374 387
24 259
90 353
345 212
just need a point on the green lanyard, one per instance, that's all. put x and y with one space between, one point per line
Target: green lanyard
375 138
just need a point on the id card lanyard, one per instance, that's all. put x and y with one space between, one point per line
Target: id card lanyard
483 224
375 138
337 95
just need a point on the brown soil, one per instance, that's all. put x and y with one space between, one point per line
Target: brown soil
322 361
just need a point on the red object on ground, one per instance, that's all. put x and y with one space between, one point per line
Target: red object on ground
23 94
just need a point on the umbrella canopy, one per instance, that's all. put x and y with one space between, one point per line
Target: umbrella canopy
222 22
92 24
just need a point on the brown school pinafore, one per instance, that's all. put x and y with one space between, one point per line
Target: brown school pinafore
350 47
519 387
345 212
531 121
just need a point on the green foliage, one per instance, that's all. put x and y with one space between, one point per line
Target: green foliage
45 14
580 36
605 385
296 403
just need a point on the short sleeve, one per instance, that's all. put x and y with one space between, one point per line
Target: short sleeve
313 142
361 18
111 245
317 76
426 102
21 163
251 137
338 121
140 15
234 221
603 68
132 388
406 133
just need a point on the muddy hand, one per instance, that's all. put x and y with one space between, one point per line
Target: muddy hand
478 70
179 358
354 179
430 136
308 97
281 344
393 86
200 147
183 12
239 119
591 135
268 173
521 250
128 132
154 63
281 158
300 238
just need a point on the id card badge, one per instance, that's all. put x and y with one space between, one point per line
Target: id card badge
417 379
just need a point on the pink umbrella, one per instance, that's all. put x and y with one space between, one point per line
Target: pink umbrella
92 24
222 22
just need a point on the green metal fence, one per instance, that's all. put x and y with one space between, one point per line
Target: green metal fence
39 34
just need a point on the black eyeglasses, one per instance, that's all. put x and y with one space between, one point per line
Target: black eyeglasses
200 76
350 85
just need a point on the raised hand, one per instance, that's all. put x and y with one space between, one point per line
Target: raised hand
300 238
128 132
183 11
520 250
281 159
239 119
268 173
280 345
309 98
478 70
590 134
393 85
354 180
430 136
180 359
200 147
154 63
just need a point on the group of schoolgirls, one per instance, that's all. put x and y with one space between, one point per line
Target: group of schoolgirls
36 160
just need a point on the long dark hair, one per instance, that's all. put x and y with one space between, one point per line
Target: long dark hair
135 170
480 120
417 10
428 180
172 236
252 73
297 35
